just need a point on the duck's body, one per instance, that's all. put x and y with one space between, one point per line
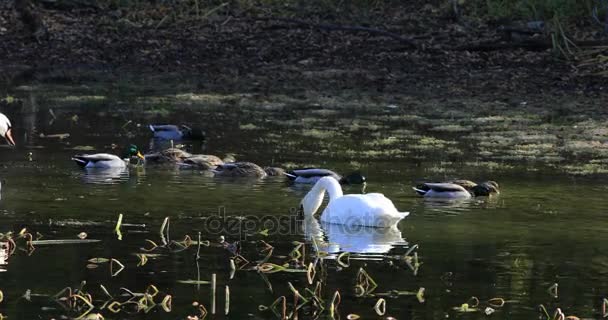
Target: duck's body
457 189
312 175
443 191
170 155
6 130
201 162
275 171
106 160
100 160
240 169
371 210
173 132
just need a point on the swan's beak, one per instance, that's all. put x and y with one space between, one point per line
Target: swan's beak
141 156
9 137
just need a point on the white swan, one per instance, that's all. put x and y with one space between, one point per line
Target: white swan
371 210
6 130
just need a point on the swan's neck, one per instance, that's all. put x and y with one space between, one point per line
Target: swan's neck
332 187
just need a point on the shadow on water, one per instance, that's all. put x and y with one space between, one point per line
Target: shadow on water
544 228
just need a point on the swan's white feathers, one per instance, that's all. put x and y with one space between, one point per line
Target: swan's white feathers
373 209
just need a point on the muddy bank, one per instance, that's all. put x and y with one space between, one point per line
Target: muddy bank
412 48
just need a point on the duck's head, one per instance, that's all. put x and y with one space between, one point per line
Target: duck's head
353 178
485 188
133 151
193 133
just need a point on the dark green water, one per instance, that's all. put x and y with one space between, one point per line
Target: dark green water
544 228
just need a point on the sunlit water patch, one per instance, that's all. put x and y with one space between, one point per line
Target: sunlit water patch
544 228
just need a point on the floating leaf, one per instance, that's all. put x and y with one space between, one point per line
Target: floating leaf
193 282
335 302
115 273
166 303
465 308
553 290
143 259
341 259
496 302
420 295
117 228
365 283
310 273
380 307
152 290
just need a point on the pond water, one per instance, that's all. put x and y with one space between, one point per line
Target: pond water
544 228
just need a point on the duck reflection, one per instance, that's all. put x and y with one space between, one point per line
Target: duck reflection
336 238
105 175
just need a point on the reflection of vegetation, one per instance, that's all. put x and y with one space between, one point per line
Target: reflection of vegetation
487 134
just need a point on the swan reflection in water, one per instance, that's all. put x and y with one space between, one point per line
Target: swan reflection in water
337 238
105 175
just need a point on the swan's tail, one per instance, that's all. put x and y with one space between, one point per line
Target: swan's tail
420 192
402 215
80 161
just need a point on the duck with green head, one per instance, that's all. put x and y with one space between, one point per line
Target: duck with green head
107 160
457 189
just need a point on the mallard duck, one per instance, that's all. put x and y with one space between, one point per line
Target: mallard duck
312 175
240 169
106 160
457 189
173 132
170 155
370 210
201 162
275 171
6 130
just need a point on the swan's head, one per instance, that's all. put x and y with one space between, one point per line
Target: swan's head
6 129
353 178
311 202
486 188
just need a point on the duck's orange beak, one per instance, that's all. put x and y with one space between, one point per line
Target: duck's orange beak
141 156
9 137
